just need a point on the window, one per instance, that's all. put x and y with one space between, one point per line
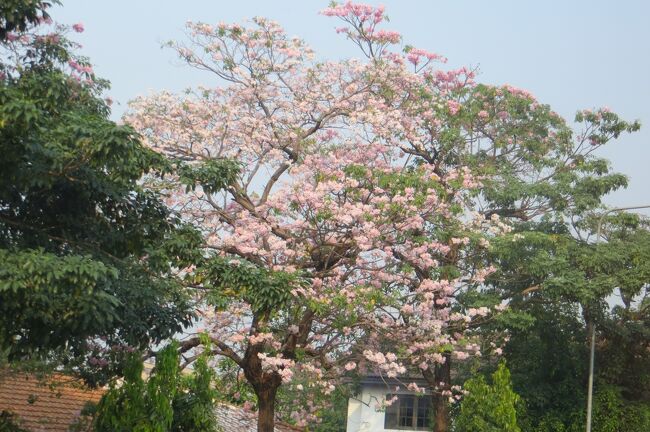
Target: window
408 412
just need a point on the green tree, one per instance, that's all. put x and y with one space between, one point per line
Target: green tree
489 407
166 401
548 361
613 413
548 182
194 403
562 280
86 253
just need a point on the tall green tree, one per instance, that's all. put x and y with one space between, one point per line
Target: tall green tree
86 254
560 279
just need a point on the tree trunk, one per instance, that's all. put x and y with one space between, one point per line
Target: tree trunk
440 401
440 413
266 407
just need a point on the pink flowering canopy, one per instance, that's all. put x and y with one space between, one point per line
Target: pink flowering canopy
339 229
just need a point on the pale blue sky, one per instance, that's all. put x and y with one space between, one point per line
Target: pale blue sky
571 54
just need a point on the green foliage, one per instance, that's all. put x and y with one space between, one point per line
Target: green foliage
234 388
212 175
229 279
549 358
332 418
613 413
17 15
548 362
85 251
194 402
9 422
52 297
624 338
167 401
548 183
138 406
534 165
489 408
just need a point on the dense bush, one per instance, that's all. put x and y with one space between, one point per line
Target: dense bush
489 407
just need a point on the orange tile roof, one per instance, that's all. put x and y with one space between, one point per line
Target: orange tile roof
41 406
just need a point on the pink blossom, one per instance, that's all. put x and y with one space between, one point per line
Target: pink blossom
453 106
387 36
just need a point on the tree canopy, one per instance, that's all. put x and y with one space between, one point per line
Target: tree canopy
86 253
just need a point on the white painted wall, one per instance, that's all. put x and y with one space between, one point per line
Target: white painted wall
363 415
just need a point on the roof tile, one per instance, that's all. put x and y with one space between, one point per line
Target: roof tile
50 404
42 407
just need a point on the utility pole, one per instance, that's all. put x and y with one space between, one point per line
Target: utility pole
592 326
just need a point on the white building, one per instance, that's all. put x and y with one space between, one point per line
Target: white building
366 411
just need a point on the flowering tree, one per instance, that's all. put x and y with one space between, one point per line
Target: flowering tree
332 217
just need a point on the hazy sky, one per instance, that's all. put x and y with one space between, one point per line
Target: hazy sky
571 54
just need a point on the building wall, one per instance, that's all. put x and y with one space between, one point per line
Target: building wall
363 414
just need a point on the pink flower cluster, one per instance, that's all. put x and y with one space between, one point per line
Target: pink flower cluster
363 12
277 364
386 363
418 56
